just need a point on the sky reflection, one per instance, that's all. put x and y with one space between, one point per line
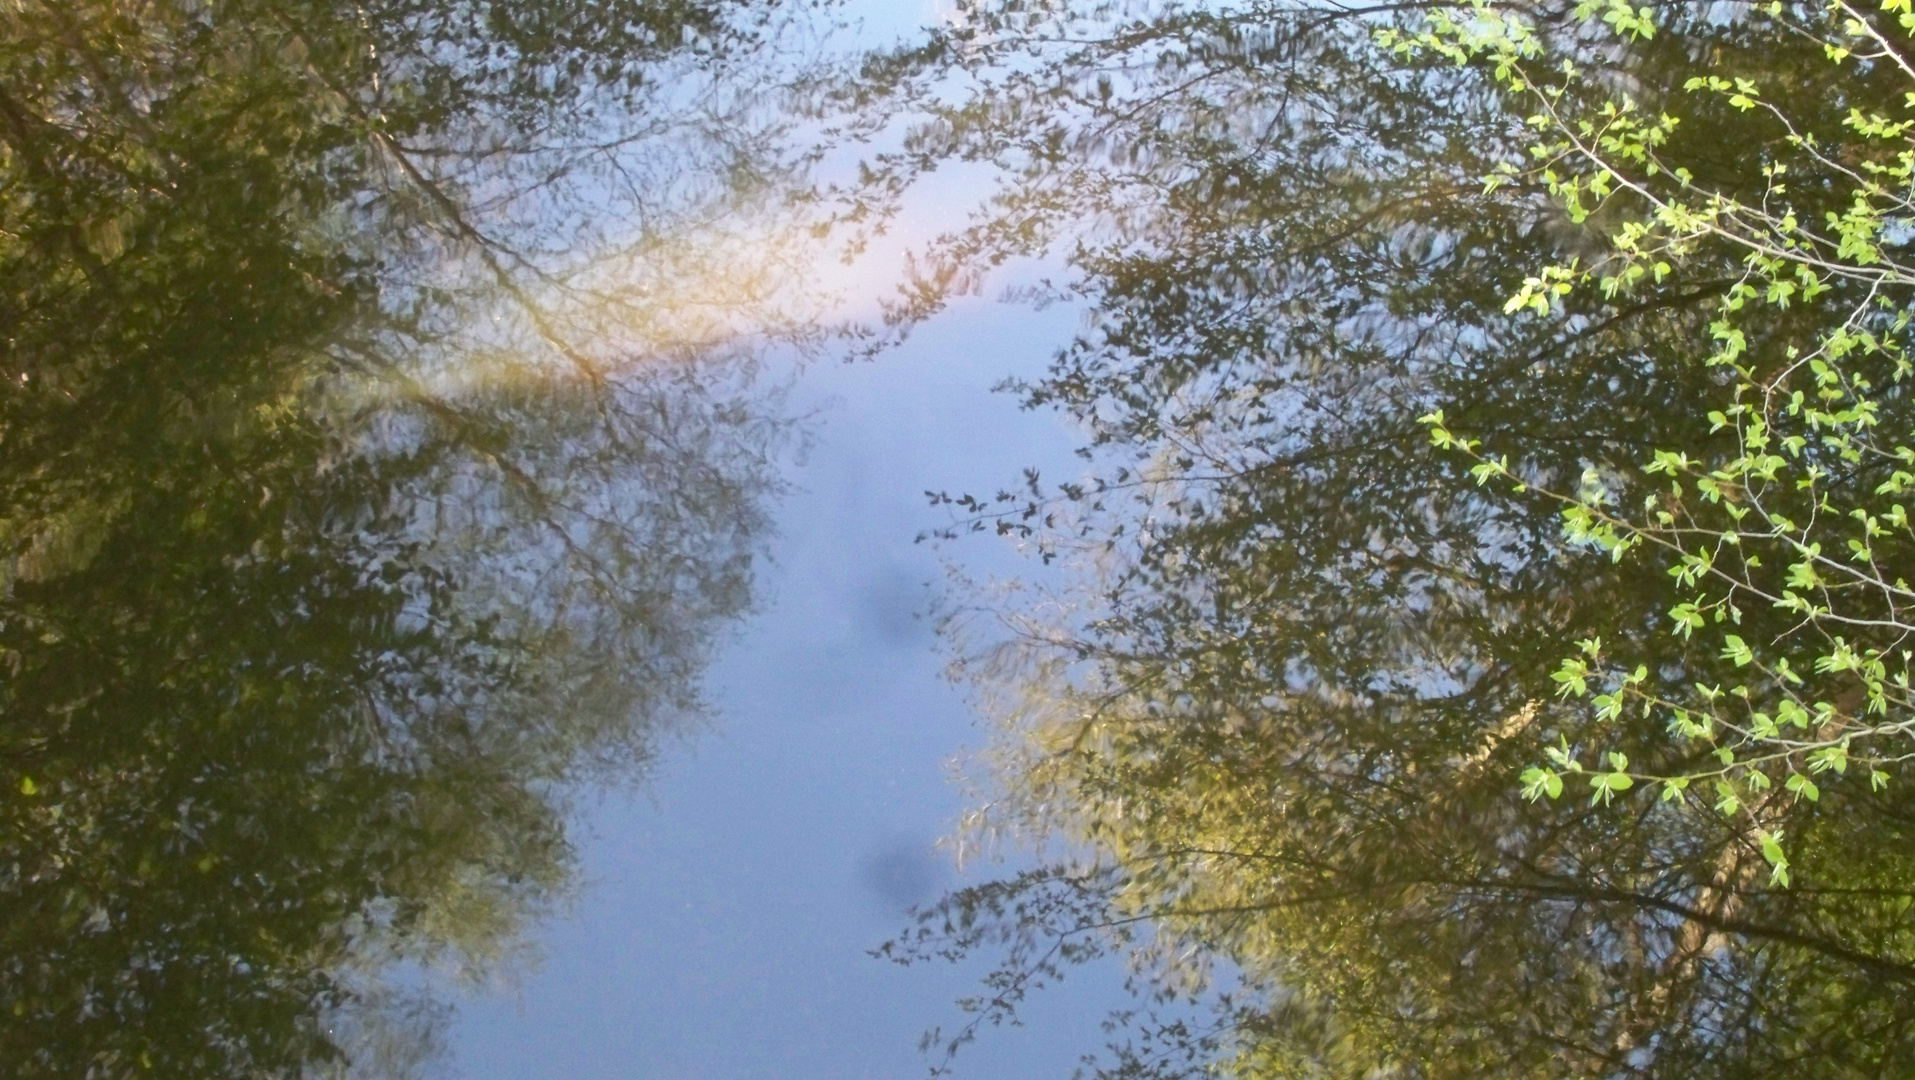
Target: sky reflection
726 911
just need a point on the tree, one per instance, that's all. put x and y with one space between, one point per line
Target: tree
1806 409
344 529
1282 716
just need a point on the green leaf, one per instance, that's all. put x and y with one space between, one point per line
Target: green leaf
1772 851
1573 676
1606 785
1726 802
1539 782
1735 649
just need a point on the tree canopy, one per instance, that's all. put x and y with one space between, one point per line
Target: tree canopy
1279 722
356 494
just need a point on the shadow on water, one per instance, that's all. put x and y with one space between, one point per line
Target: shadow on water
902 872
351 510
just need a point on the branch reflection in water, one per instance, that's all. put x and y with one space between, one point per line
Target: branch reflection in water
384 446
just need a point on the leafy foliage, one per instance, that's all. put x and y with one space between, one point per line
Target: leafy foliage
1795 506
341 528
1281 713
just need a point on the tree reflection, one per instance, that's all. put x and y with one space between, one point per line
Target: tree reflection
354 502
1282 716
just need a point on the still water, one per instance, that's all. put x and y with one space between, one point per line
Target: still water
394 440
729 906
462 611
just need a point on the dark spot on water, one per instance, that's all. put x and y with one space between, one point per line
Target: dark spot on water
903 872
